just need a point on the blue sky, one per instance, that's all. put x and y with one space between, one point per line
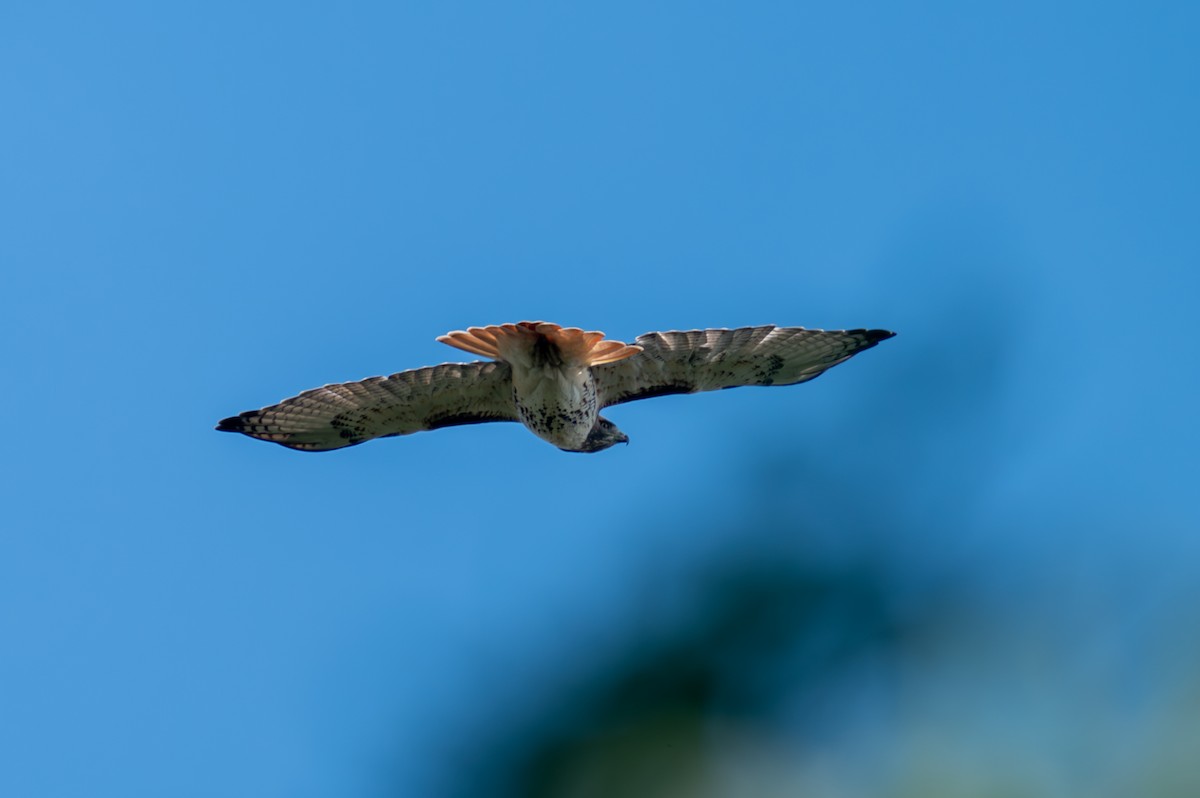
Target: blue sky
208 207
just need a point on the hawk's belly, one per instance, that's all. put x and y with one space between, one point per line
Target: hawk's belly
557 404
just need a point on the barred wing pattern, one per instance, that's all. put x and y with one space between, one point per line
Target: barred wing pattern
705 360
350 413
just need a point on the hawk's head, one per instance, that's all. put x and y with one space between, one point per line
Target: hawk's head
602 436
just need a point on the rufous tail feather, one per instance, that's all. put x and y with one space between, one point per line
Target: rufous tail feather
589 348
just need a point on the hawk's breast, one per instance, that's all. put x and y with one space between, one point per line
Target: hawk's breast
557 403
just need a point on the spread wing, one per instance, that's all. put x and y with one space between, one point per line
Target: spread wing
350 413
705 360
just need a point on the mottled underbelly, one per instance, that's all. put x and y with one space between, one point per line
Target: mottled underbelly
559 408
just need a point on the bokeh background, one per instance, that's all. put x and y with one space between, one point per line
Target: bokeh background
963 564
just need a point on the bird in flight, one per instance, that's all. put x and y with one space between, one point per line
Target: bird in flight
554 380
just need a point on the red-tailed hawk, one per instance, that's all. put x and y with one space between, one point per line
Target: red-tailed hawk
554 380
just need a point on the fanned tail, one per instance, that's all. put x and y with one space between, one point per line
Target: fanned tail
514 342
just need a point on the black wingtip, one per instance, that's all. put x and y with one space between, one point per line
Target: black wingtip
231 424
872 337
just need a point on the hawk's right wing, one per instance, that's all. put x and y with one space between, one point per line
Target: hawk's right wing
349 413
705 360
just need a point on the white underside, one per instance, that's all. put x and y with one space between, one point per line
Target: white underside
556 404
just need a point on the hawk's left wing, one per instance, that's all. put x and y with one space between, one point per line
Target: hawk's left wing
705 360
349 413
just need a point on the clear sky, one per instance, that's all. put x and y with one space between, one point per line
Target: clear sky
206 207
